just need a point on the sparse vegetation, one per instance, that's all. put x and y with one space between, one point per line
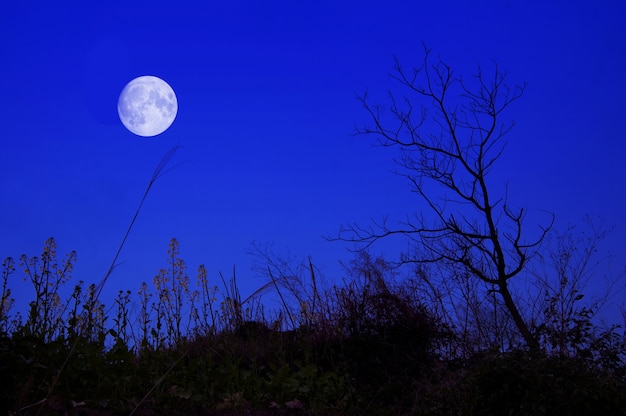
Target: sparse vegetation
443 331
374 346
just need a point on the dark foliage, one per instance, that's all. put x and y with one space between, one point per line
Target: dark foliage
369 347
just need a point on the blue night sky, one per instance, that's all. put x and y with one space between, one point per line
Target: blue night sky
267 108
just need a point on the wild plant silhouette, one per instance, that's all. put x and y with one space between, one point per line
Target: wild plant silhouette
372 345
419 338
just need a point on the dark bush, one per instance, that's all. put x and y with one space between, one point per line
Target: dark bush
520 384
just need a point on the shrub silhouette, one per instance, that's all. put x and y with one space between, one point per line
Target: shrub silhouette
377 349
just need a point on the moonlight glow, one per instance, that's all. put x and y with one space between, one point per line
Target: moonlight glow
147 106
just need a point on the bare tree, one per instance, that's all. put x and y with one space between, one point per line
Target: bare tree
470 231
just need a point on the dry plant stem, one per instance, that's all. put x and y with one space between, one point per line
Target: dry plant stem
157 173
282 299
40 402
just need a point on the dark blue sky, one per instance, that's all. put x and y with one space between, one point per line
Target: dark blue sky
266 94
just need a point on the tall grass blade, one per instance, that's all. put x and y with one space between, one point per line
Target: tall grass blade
157 173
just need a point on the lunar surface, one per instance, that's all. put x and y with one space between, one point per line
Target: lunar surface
147 106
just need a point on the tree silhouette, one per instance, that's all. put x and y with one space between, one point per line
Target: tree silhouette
448 146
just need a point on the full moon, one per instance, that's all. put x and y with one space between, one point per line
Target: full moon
147 106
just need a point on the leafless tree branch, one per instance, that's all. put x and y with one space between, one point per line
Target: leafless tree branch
452 140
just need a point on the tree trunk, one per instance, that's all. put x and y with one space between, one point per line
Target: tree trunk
530 339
